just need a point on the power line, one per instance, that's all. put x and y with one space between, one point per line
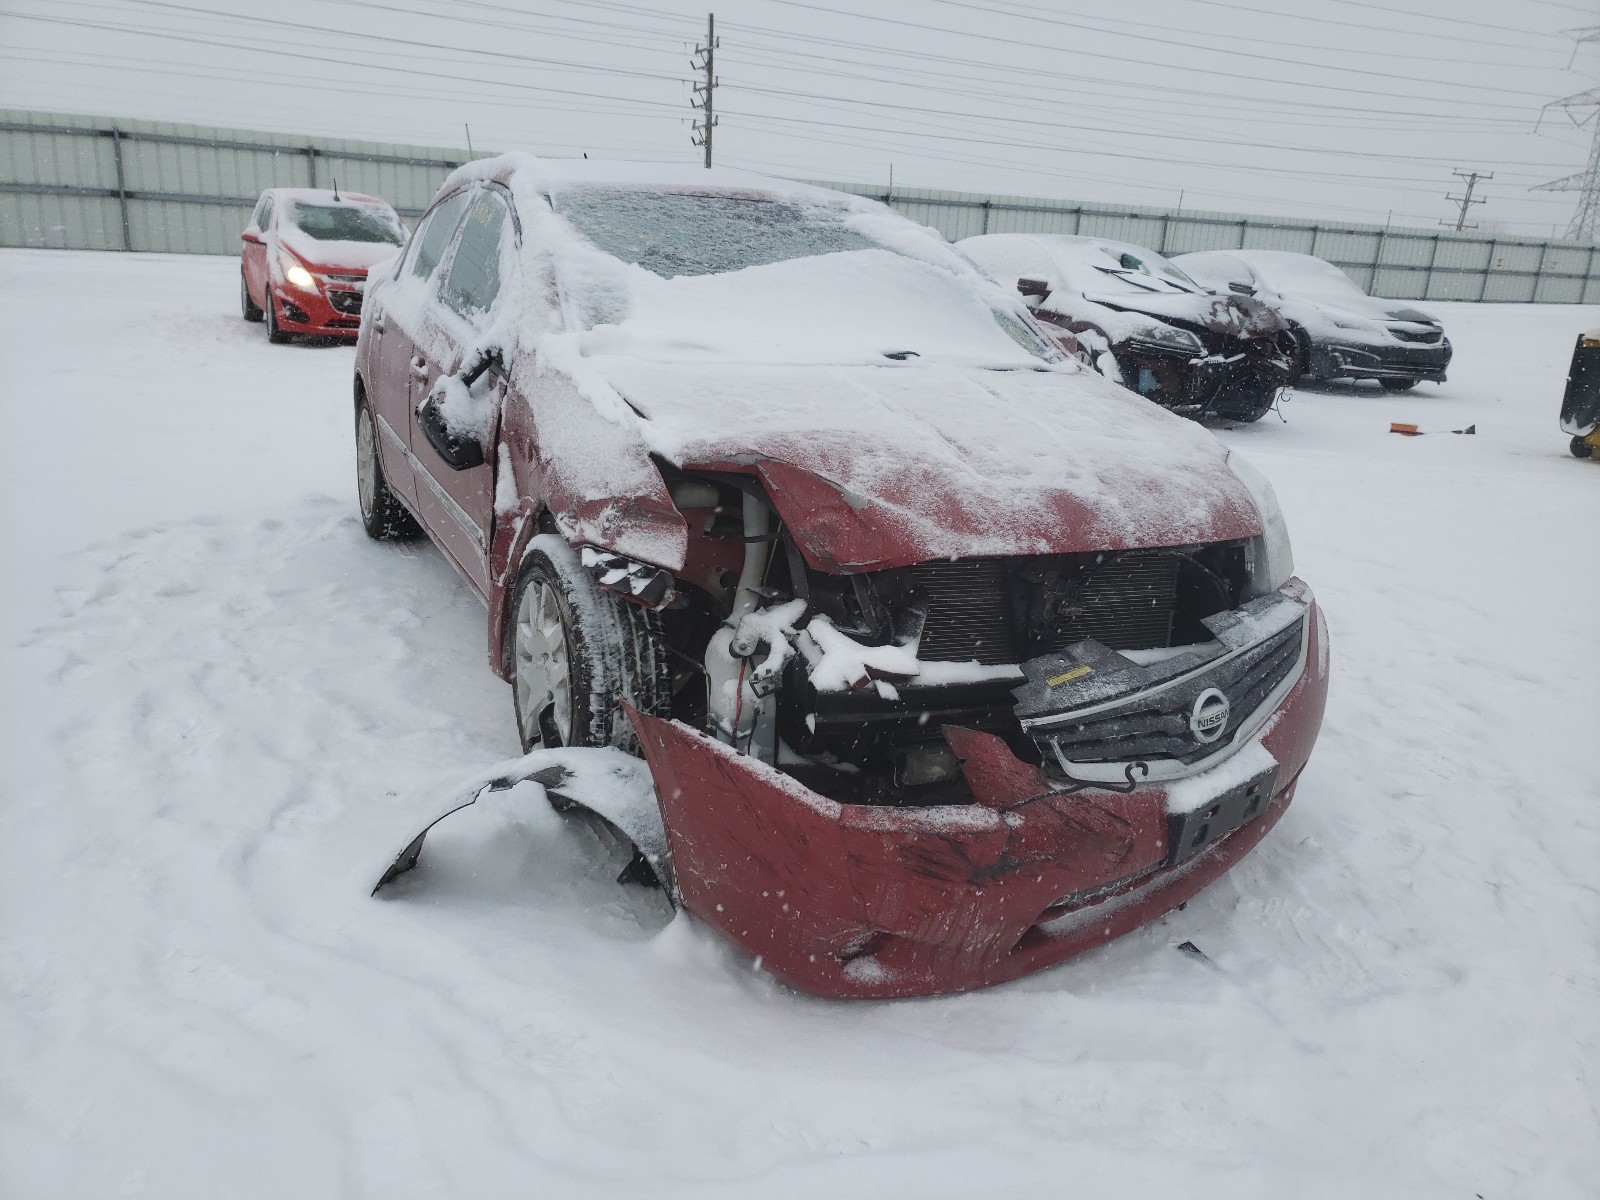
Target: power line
1166 41
988 37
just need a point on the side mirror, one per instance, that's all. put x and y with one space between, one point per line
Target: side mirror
251 235
1239 288
1033 288
461 452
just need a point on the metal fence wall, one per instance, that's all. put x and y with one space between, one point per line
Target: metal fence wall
91 183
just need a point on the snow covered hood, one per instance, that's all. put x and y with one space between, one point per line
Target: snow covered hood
1219 314
882 466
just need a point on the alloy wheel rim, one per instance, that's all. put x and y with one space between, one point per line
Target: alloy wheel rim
366 464
543 670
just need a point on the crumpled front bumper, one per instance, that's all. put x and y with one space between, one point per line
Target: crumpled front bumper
855 901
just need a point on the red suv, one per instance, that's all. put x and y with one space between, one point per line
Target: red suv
948 658
305 259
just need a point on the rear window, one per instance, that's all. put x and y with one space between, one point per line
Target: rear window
679 233
345 222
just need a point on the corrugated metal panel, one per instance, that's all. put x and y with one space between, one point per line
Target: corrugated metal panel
190 189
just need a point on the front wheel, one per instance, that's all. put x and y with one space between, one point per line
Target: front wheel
1398 385
382 515
274 335
1580 448
248 308
578 652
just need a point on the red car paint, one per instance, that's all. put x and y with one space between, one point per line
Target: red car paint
331 307
855 901
838 899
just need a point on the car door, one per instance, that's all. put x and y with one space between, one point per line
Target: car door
458 504
254 250
394 320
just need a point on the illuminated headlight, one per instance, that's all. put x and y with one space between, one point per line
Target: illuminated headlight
1168 339
1269 558
636 581
294 273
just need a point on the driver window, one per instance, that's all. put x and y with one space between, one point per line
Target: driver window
433 236
474 279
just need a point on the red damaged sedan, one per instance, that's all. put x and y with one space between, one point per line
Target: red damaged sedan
303 267
948 658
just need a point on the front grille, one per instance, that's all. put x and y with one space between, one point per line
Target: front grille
999 610
348 303
1428 336
1156 724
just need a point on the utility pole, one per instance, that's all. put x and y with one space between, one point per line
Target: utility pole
705 60
1466 201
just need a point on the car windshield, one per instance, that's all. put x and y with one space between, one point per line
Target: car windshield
680 233
345 222
775 280
1110 267
1303 275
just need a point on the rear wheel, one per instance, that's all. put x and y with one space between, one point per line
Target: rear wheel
274 335
1580 448
247 307
1398 385
577 653
382 515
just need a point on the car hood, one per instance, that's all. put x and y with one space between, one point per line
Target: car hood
1370 308
1234 316
352 257
876 467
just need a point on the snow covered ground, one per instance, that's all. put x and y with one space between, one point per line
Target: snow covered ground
224 709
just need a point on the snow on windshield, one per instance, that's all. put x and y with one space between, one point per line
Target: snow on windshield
756 279
856 306
345 222
1301 274
677 233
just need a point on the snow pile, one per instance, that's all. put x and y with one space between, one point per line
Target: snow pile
839 663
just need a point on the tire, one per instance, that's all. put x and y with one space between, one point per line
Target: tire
576 653
274 335
1302 347
248 308
1397 385
1580 448
1246 404
382 515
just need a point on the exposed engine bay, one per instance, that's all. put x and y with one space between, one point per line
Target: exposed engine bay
1088 666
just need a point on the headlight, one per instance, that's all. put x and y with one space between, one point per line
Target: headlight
1270 560
1165 337
296 274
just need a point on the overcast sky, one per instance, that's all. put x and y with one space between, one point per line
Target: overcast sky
1343 109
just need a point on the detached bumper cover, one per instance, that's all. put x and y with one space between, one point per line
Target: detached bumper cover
857 901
